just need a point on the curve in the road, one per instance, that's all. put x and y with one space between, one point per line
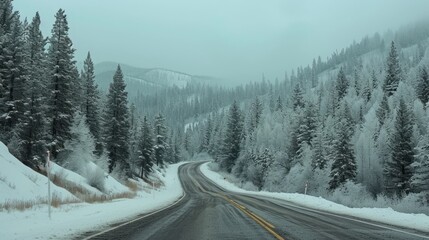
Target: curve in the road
207 211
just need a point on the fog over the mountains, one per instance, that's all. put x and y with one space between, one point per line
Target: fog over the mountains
237 40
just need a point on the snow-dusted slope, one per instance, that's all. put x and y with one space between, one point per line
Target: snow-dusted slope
146 80
20 183
68 221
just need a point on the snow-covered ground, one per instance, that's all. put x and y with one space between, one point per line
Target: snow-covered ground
384 215
20 183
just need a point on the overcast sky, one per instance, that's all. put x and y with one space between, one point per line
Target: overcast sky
232 39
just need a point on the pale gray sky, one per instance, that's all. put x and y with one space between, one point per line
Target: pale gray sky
233 39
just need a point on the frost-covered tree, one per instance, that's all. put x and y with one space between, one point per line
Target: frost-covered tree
297 97
61 76
145 149
117 125
420 178
32 127
342 84
14 72
423 86
397 170
383 110
344 163
255 115
91 102
319 160
206 135
160 147
279 104
233 136
393 71
262 162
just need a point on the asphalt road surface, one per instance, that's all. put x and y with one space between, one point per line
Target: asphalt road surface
206 211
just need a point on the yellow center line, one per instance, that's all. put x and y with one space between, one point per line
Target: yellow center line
267 226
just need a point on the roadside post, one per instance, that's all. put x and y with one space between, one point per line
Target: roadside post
48 166
306 187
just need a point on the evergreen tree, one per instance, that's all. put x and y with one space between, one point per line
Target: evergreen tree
14 72
397 170
255 115
233 136
145 149
7 19
344 165
319 160
117 125
279 104
205 141
263 162
393 72
342 84
32 128
60 57
91 102
161 145
423 86
297 97
383 110
374 80
420 178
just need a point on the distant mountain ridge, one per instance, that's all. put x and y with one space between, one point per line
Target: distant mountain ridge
146 80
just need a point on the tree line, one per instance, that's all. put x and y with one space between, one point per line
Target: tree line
47 104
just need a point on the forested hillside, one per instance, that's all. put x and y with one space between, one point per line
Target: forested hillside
48 104
356 122
354 125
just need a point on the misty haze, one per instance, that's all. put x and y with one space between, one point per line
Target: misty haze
192 119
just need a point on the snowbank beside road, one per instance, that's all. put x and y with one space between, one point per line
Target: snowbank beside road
72 219
384 215
20 183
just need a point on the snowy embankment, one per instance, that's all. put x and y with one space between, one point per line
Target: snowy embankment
20 183
383 215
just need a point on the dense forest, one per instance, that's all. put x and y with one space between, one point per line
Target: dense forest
356 122
47 104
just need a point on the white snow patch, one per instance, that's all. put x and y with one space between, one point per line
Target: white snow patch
384 215
20 183
69 220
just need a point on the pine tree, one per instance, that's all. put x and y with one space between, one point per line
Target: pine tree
233 136
420 178
7 18
383 110
32 128
263 162
342 84
397 170
319 159
307 127
145 149
117 125
279 104
14 72
423 86
205 141
393 72
374 80
344 165
161 145
297 97
255 115
91 102
61 66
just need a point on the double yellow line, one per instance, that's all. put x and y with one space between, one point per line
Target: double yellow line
266 225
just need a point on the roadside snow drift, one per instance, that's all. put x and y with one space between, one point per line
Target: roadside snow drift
20 183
